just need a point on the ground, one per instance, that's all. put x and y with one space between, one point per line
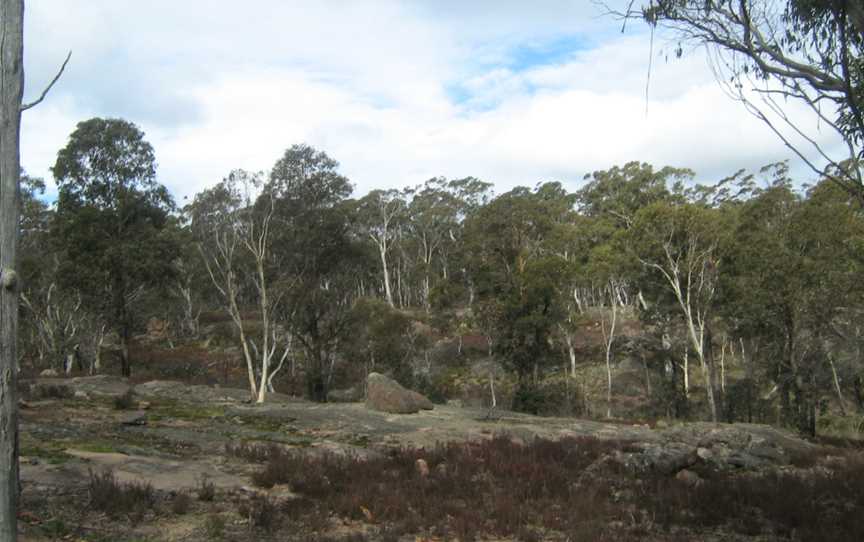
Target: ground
178 439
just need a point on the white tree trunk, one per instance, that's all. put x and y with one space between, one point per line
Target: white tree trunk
609 336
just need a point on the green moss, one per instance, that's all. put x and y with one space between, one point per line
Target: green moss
184 411
54 455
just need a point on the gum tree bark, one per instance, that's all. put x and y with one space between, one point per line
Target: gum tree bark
11 89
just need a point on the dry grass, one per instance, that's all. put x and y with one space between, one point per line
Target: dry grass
540 490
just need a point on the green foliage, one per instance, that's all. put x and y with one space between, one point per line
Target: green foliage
111 219
794 272
517 278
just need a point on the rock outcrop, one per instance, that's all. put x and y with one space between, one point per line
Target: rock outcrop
386 395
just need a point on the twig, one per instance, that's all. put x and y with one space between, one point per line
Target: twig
25 107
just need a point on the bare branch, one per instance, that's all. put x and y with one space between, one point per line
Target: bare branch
25 107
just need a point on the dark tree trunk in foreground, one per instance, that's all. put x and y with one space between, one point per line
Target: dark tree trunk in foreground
11 88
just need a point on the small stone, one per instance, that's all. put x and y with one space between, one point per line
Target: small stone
134 418
704 453
81 394
422 468
48 373
688 477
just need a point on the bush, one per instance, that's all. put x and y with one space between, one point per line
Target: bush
260 511
126 401
551 397
118 498
206 490
214 526
181 503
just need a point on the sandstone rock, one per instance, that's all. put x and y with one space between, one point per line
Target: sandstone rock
688 477
666 458
157 328
421 400
386 395
704 454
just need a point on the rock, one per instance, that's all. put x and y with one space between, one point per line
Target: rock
422 468
138 417
743 460
454 403
49 373
704 454
350 395
157 328
144 405
422 401
688 477
386 395
666 458
80 394
772 454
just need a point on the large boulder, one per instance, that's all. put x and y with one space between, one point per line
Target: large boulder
387 395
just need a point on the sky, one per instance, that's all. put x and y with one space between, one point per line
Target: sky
511 92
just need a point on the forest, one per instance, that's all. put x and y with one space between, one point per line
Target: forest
645 353
731 300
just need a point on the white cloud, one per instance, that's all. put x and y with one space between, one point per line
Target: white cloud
396 91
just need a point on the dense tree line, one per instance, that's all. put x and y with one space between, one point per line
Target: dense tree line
757 270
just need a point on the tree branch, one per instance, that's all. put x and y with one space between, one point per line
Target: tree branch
25 107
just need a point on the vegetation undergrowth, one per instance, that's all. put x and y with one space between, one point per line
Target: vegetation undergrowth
116 498
553 490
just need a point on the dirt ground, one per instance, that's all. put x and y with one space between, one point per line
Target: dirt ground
174 437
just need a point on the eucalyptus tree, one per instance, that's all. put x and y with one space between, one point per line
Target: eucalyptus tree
518 277
432 218
11 107
768 54
232 223
380 214
314 226
793 284
111 221
681 246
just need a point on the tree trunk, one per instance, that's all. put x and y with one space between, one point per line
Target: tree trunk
571 354
837 388
388 292
11 89
125 366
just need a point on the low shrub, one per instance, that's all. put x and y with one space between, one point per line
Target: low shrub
181 503
206 490
119 498
531 491
260 511
125 401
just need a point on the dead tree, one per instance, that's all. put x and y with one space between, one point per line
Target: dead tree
11 93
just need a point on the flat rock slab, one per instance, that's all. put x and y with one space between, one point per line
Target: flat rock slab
162 473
